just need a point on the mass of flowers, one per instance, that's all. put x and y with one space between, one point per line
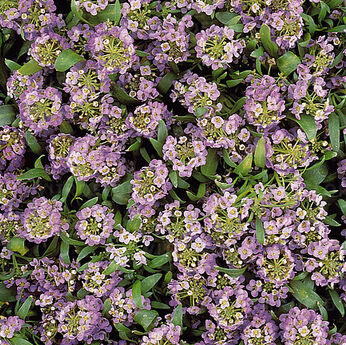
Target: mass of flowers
172 172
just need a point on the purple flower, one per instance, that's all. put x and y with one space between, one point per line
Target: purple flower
12 148
82 321
10 325
88 159
42 220
150 183
14 192
95 224
265 105
145 119
303 325
41 109
92 6
231 310
58 148
217 47
185 154
112 48
19 83
46 48
163 333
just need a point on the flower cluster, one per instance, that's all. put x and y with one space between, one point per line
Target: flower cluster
172 172
42 220
185 154
41 109
216 47
94 224
150 183
12 148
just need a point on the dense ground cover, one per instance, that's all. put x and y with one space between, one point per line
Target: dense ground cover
172 172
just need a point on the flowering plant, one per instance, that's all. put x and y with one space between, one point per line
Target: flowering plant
172 172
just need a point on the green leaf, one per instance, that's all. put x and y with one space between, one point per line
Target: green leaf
227 18
66 60
177 318
33 143
159 261
201 111
257 53
122 96
182 183
30 68
210 167
334 131
342 205
65 252
17 245
85 252
323 311
162 132
71 241
337 302
227 159
268 44
78 14
135 146
66 127
288 63
89 203
111 12
166 82
259 231
52 248
7 294
146 317
7 115
232 83
159 305
124 332
173 176
222 185
24 308
34 173
245 166
310 23
260 153
134 224
334 3
200 193
330 221
305 295
144 153
232 272
20 341
238 105
38 163
308 125
314 177
67 188
111 268
136 294
122 193
149 282
301 276
323 11
157 146
12 65
117 13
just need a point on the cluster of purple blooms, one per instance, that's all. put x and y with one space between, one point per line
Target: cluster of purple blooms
166 188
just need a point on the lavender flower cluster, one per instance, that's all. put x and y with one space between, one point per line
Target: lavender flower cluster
172 172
